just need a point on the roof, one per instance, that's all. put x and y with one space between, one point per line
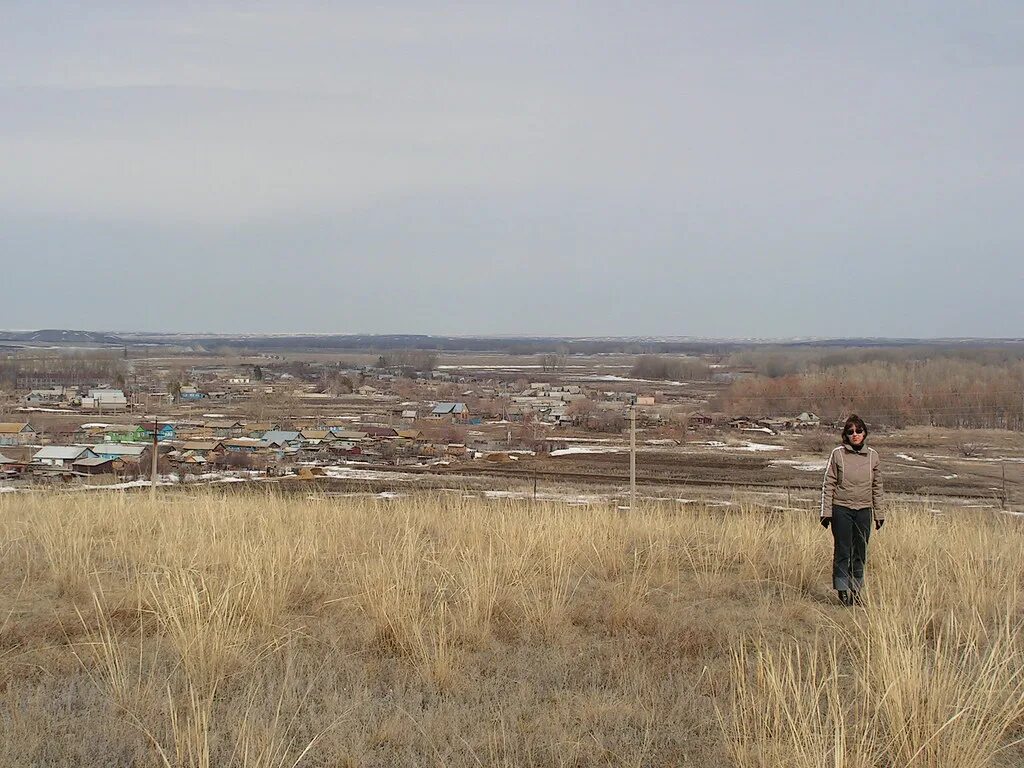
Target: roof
349 434
7 460
62 452
259 426
317 434
280 436
442 408
201 445
118 449
14 427
93 461
246 442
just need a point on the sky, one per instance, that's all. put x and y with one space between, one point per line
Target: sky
712 169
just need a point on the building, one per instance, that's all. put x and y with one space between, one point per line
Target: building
164 431
120 451
17 433
244 445
62 455
451 411
190 394
53 396
96 465
104 400
224 428
699 420
807 420
119 433
279 438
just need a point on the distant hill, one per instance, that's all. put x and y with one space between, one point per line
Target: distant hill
60 336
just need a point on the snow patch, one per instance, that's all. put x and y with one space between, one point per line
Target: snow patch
584 449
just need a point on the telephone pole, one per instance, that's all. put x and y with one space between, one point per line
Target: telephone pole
152 479
632 454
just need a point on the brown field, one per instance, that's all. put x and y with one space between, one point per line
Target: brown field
210 629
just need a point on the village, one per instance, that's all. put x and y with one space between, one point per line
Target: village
272 418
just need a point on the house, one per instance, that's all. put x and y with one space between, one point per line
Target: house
318 435
451 411
62 455
258 428
120 451
409 414
352 435
53 396
104 400
202 447
96 465
244 445
377 431
165 431
807 420
742 422
700 420
279 438
17 433
367 390
190 394
224 428
119 433
10 467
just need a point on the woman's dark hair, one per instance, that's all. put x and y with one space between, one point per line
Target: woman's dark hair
853 420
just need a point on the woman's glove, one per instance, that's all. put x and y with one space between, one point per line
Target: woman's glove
879 524
825 522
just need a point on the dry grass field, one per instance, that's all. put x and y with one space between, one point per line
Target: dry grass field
218 629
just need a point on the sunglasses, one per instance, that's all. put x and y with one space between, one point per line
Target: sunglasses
854 431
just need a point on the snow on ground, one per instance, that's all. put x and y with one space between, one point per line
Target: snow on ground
747 446
803 466
766 430
499 367
45 410
356 473
585 449
905 457
755 447
611 377
545 496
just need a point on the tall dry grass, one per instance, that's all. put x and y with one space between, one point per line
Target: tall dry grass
226 629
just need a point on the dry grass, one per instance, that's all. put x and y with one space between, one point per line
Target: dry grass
216 629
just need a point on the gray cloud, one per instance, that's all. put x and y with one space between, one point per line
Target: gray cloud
705 169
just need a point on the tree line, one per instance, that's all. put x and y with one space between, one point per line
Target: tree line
946 392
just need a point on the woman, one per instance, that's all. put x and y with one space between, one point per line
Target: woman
850 496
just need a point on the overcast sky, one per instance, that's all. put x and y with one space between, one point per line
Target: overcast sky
708 169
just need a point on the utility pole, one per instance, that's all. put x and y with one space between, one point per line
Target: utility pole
1003 466
152 480
632 454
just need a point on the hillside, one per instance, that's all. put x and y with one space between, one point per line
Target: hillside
223 629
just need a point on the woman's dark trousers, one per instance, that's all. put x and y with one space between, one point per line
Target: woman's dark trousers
850 531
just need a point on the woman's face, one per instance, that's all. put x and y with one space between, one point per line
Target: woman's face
855 434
